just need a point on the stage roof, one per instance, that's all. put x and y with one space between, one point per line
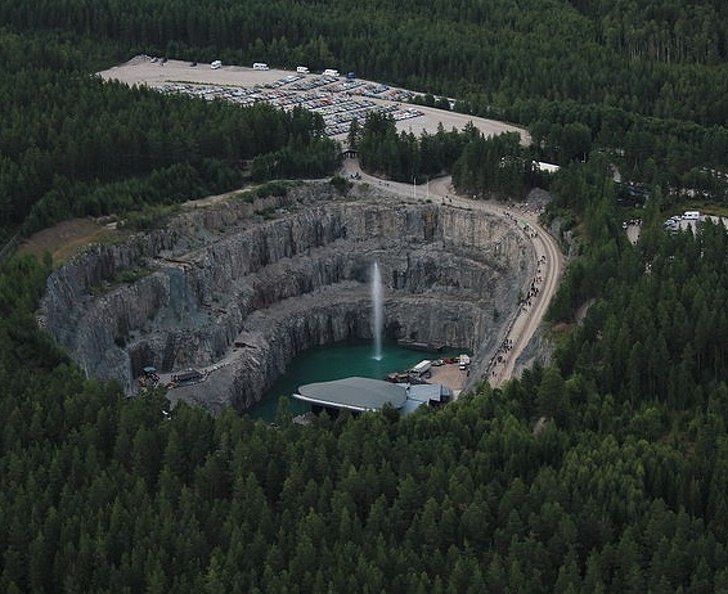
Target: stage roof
354 393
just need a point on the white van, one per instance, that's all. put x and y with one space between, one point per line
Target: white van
260 66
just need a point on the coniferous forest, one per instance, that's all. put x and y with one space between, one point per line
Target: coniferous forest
621 489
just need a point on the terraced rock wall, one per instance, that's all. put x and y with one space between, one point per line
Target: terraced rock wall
244 287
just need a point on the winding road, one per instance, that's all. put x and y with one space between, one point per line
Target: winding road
549 269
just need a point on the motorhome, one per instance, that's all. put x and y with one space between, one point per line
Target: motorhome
302 69
216 64
463 362
260 66
331 72
691 215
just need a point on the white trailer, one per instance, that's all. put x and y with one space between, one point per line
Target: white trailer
260 66
331 72
422 368
691 215
463 361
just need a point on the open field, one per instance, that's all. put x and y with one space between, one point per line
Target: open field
337 99
66 239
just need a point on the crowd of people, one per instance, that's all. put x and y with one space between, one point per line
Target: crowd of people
500 358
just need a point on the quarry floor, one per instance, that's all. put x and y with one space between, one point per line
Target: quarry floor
450 376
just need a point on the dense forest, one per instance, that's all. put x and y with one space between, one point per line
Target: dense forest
602 472
622 489
498 166
647 82
658 58
72 145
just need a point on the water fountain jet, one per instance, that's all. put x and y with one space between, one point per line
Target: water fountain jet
378 306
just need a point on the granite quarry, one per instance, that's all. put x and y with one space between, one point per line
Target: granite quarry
241 286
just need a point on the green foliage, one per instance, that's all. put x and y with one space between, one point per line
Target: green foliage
73 145
341 184
383 151
618 491
266 213
246 196
123 277
662 60
479 165
152 217
275 188
623 488
305 151
493 166
661 111
497 165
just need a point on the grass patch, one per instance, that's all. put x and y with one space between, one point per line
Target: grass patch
341 184
247 196
266 213
150 218
68 238
123 277
273 188
706 207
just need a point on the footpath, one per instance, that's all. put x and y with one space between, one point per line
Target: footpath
550 267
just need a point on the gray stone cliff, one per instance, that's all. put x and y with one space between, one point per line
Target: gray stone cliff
242 288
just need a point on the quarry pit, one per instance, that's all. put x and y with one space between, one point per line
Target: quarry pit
242 286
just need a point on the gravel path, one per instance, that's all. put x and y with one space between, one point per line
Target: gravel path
550 268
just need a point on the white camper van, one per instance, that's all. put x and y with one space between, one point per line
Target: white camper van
260 66
215 64
331 72
302 70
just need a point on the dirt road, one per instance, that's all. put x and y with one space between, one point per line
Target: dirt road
549 269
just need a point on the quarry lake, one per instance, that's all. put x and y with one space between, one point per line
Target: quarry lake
332 362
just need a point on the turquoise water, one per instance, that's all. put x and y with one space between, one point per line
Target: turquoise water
321 364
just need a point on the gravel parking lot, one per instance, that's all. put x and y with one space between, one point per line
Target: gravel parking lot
337 99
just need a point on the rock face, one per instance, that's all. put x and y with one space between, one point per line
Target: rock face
242 287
